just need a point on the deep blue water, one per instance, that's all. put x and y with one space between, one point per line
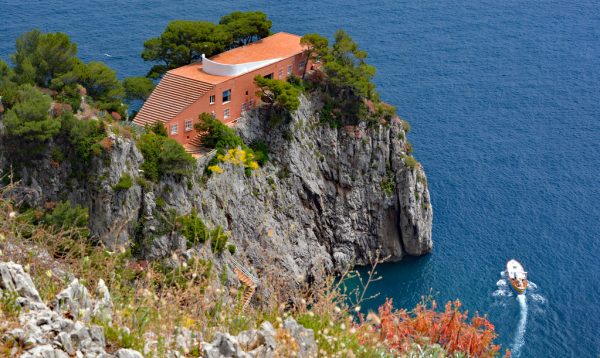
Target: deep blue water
504 102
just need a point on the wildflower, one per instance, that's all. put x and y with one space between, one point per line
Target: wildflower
352 330
184 265
12 214
337 309
357 309
26 268
2 237
303 301
253 165
174 256
311 314
49 273
343 327
215 169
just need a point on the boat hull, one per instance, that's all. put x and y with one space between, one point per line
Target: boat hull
517 276
519 287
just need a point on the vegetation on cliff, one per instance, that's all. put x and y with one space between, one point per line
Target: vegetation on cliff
193 289
152 299
184 41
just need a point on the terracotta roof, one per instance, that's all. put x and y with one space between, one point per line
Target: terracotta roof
279 45
172 95
182 86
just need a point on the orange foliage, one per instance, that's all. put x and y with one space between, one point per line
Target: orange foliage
450 329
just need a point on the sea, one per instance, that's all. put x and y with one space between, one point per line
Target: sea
504 102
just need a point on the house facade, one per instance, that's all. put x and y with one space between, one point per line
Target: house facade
222 86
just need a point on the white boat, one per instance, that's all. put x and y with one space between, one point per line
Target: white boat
516 275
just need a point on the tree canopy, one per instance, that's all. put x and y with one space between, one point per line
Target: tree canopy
184 41
316 46
277 93
28 118
246 27
138 88
346 68
40 57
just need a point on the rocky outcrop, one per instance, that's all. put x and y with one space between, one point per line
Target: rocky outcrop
328 198
45 332
264 343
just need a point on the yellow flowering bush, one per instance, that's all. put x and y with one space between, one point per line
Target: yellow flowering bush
238 156
215 169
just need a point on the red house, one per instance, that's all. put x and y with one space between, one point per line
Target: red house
222 85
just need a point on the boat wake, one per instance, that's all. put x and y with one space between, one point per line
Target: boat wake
532 297
521 327
503 289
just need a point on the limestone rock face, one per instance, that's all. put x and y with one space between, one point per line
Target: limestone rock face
263 343
328 197
14 279
48 333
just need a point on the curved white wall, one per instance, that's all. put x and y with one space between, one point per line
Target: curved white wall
221 69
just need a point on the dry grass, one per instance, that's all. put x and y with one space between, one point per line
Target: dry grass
153 300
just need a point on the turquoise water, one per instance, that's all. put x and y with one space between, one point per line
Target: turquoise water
504 102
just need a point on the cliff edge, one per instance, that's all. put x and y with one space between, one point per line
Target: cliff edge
328 198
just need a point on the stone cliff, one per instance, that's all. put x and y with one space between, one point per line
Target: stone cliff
328 197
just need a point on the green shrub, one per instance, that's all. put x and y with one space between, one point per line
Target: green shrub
85 136
231 248
217 134
66 217
125 182
163 156
193 228
388 185
261 151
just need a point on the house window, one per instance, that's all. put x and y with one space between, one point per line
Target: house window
246 93
212 99
289 72
213 114
188 125
244 107
226 96
226 113
269 76
302 65
174 129
280 73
